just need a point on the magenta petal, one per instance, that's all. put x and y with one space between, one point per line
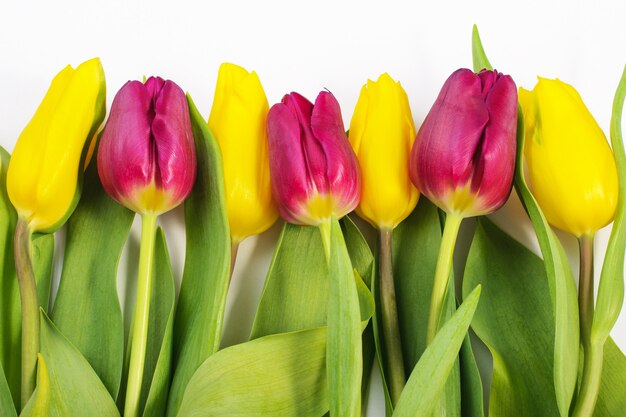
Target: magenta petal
173 142
342 173
289 176
124 154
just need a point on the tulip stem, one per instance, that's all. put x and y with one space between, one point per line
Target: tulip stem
442 273
141 316
325 231
389 310
592 350
30 307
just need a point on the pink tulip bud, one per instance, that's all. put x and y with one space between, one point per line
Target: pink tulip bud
463 157
147 156
314 171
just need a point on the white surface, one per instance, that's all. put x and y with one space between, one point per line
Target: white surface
307 46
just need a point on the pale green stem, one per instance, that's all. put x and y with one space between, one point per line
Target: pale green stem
30 308
325 231
141 315
593 351
442 273
389 310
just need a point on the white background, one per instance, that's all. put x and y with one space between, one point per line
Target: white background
307 46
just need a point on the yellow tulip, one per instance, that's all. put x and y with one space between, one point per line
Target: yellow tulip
572 169
237 120
381 134
44 174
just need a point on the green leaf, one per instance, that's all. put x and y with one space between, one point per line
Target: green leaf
87 309
200 311
479 58
471 384
559 273
416 244
156 378
274 376
7 408
428 379
611 286
66 385
515 321
10 306
344 361
612 397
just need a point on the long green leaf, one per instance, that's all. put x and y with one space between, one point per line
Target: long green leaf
200 311
515 321
87 309
611 285
344 361
560 278
66 385
273 376
10 306
428 379
612 396
416 244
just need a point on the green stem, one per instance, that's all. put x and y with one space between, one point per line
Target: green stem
30 308
442 273
141 315
593 351
389 310
325 231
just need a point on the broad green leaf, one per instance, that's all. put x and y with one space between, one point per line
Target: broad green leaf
611 286
10 306
87 309
416 244
427 381
514 319
200 310
344 360
471 384
273 376
7 408
156 378
66 385
560 278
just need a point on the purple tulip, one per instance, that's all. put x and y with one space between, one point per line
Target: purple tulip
314 171
463 157
147 156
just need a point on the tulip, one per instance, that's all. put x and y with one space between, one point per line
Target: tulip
381 134
571 167
573 175
314 172
463 158
44 181
147 162
315 180
146 159
43 178
238 121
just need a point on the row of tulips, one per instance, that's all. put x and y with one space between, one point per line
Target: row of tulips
295 159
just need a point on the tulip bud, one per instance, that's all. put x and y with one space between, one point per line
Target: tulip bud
381 134
314 172
463 158
571 167
238 121
44 175
147 156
